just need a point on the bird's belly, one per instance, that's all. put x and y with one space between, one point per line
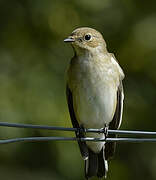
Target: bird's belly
95 107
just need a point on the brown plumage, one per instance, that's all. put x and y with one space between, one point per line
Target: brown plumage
95 96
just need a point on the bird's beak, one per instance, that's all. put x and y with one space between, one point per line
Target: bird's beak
69 39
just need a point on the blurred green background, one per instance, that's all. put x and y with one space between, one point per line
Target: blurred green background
33 62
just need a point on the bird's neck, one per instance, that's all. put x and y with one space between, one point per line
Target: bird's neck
91 52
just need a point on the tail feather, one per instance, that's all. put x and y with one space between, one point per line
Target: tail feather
102 164
91 164
96 165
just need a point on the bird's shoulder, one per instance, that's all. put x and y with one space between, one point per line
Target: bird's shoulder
72 71
115 63
72 65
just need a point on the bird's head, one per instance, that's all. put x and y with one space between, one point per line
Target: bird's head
86 39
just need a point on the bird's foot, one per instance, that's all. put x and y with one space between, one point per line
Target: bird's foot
81 131
105 131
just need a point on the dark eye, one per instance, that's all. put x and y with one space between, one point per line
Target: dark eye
87 37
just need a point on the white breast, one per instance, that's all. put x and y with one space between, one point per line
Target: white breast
95 109
95 104
94 97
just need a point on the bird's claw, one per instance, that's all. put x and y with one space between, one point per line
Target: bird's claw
105 131
81 131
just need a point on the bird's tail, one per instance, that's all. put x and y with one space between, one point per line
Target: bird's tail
96 165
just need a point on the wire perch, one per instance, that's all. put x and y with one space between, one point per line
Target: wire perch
45 127
42 139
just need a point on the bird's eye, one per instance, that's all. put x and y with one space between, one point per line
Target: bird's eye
87 37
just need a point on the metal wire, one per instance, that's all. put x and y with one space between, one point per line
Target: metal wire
42 139
45 127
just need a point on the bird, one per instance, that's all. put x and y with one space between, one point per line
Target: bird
95 97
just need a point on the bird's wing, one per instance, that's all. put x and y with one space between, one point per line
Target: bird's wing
80 134
115 61
116 122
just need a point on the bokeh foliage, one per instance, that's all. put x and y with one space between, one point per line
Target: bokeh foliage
33 62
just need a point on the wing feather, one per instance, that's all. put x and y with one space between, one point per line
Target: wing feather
80 134
115 123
